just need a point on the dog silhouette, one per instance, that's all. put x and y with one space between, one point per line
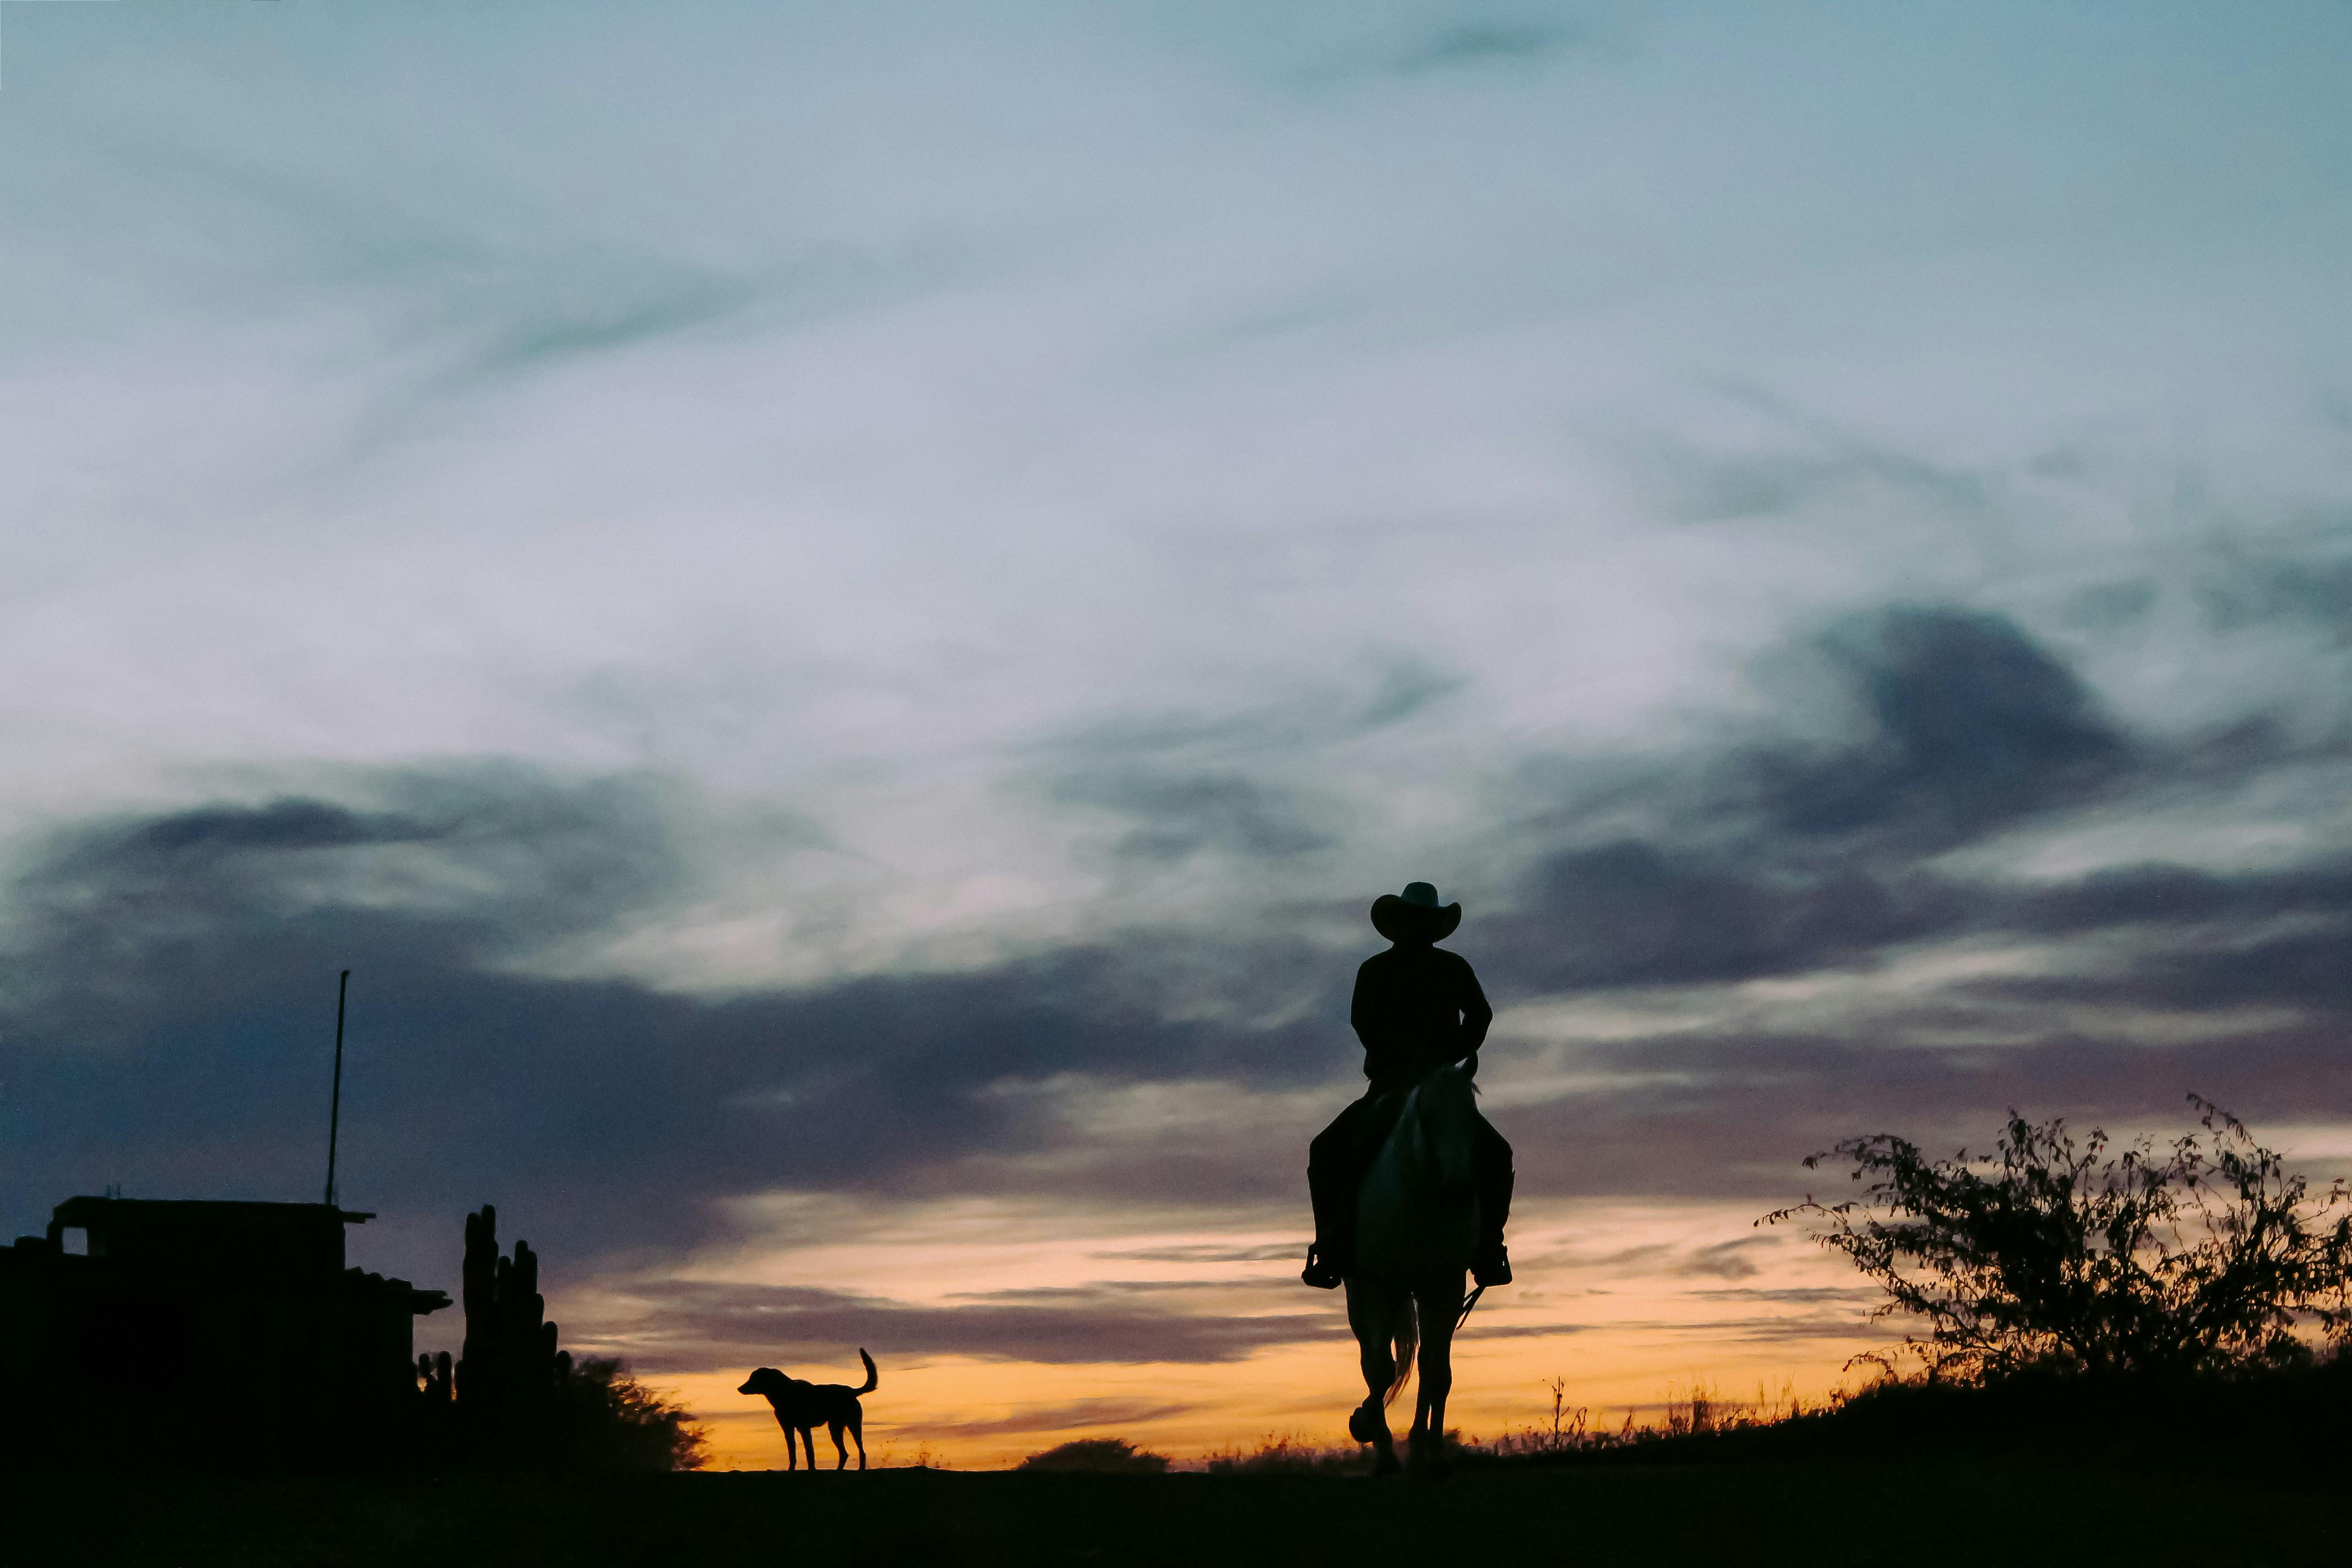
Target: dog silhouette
803 1408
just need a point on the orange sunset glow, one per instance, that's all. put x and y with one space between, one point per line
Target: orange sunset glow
1632 1305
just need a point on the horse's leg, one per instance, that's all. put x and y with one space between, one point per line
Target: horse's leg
1426 1448
1370 1314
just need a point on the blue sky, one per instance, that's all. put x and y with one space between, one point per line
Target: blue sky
910 570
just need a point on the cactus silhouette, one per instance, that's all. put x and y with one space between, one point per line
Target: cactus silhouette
510 1369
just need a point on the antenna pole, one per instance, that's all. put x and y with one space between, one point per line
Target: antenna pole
335 1110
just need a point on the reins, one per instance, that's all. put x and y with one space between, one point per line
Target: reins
1467 1302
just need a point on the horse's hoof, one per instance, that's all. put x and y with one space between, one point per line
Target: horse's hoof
1363 1426
1386 1465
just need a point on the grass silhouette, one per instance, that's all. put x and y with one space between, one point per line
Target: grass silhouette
1098 1456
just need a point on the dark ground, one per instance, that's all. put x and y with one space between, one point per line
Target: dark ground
1825 1515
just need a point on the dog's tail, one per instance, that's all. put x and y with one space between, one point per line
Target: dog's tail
872 1378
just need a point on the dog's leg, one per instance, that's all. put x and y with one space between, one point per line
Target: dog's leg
857 1430
833 1430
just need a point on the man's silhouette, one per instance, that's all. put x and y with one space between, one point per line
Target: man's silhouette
1417 1007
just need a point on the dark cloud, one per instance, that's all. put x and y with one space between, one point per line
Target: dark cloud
1968 725
679 1326
281 825
2303 969
166 1010
1732 1115
2177 895
1633 913
167 1017
1778 859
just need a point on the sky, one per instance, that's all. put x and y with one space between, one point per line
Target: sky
840 609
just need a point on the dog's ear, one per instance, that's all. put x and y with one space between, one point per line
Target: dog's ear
760 1381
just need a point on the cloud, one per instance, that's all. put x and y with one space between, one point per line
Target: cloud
1382 693
1728 1114
167 978
1179 816
2252 589
1199 1252
167 975
1469 46
1723 1259
1632 913
1078 1415
681 1326
1775 857
163 1022
1968 724
1707 487
548 332
280 824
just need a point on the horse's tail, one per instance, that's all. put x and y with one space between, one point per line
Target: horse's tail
1404 1337
872 1378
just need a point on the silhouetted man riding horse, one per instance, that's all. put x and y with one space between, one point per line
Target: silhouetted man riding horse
1417 1007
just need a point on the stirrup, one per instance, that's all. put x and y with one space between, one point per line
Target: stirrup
1492 1268
1320 1271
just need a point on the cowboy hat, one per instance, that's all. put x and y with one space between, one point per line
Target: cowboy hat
1414 915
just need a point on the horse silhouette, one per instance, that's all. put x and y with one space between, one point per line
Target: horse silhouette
1417 1225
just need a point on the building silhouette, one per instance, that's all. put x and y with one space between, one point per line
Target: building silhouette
177 1333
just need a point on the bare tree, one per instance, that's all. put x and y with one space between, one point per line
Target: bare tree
2202 1255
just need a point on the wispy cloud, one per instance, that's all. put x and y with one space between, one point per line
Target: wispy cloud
1469 46
690 1328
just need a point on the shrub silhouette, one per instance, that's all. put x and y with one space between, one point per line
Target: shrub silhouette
2203 1255
603 1418
1098 1456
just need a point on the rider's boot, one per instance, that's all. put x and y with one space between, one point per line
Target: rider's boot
1326 1271
1334 1251
1490 1264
